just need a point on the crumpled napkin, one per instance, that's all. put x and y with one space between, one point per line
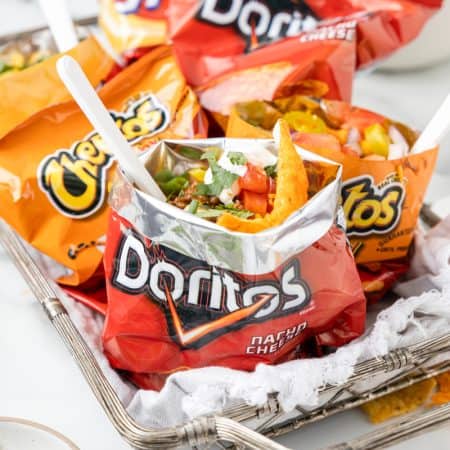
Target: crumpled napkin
430 262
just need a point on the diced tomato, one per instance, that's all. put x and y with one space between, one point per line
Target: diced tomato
361 119
254 180
317 141
256 203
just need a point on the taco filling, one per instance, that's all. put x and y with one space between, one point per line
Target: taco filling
318 124
244 191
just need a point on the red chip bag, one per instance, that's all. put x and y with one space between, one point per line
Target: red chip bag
154 329
210 35
321 68
186 293
379 277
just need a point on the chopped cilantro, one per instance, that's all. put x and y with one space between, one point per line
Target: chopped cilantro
192 207
221 178
271 171
212 154
237 158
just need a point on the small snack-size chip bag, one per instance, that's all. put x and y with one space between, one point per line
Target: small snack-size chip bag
56 172
321 67
217 284
215 36
384 183
28 91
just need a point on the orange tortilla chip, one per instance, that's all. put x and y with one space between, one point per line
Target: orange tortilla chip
443 395
441 398
291 193
400 402
444 382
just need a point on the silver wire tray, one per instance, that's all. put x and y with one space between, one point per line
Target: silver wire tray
398 369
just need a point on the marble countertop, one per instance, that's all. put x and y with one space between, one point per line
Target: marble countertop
39 380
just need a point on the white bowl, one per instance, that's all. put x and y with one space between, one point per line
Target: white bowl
23 434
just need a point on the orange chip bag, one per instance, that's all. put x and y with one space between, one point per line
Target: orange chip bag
383 184
19 101
55 171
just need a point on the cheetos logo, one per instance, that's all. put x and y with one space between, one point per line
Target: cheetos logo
75 180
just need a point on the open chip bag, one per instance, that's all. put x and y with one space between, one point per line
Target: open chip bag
55 171
240 50
210 36
384 183
185 291
26 91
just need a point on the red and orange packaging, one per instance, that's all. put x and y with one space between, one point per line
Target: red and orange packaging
55 171
184 292
242 50
381 197
212 37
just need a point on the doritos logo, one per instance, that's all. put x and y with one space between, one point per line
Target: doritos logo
75 180
370 208
259 21
201 302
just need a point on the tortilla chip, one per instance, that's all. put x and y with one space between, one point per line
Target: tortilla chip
443 395
400 402
291 193
444 382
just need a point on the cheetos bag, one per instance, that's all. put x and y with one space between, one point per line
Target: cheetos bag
381 198
26 92
56 172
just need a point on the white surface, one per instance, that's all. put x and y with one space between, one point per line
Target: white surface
39 380
19 15
432 45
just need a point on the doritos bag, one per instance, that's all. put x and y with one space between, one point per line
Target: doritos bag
383 184
184 292
55 171
215 36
